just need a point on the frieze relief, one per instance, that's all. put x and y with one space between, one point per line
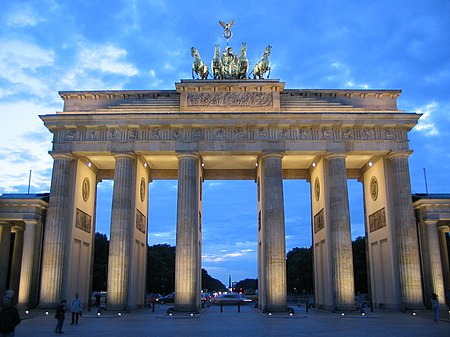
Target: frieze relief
83 221
377 220
319 221
141 221
230 99
228 134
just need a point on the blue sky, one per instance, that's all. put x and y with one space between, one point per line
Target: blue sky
48 46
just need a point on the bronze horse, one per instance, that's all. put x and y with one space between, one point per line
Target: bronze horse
263 66
198 66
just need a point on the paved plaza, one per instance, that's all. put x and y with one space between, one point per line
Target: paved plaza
249 322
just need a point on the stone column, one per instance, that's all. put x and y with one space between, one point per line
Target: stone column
340 235
187 284
122 225
5 243
435 260
408 259
26 274
444 258
274 240
56 228
16 260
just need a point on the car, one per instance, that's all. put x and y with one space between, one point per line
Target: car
230 299
170 298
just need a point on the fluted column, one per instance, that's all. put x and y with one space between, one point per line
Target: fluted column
16 260
5 243
405 232
444 257
56 228
274 240
187 284
435 259
122 223
28 258
340 235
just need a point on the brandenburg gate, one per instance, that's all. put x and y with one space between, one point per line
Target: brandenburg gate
232 129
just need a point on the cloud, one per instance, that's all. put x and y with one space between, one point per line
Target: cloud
106 59
23 16
98 66
20 64
25 147
426 123
343 76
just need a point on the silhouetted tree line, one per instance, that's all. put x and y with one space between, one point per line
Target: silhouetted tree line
299 265
161 269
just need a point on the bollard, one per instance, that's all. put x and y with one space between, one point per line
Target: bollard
307 305
153 306
239 307
221 307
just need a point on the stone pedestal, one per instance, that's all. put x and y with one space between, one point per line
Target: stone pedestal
187 279
405 233
56 228
340 235
122 223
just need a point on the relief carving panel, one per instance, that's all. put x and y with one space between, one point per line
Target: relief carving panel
230 99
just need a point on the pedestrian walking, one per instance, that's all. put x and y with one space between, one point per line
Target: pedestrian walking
435 306
60 315
76 308
9 316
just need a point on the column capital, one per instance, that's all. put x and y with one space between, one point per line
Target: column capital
124 155
398 154
188 155
17 228
444 228
67 156
5 224
332 155
272 154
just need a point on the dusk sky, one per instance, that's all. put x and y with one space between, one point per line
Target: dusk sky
48 46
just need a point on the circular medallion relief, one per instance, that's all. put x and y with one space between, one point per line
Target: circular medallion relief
142 189
317 188
374 188
85 189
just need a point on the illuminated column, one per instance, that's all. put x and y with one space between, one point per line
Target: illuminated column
5 243
444 257
435 259
16 260
187 282
56 227
405 233
274 241
340 235
28 258
122 223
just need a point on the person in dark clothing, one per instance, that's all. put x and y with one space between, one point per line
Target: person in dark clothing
60 315
9 318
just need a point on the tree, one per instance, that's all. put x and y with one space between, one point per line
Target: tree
299 269
210 283
101 252
360 264
247 286
161 269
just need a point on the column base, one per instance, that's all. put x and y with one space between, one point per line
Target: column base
192 308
